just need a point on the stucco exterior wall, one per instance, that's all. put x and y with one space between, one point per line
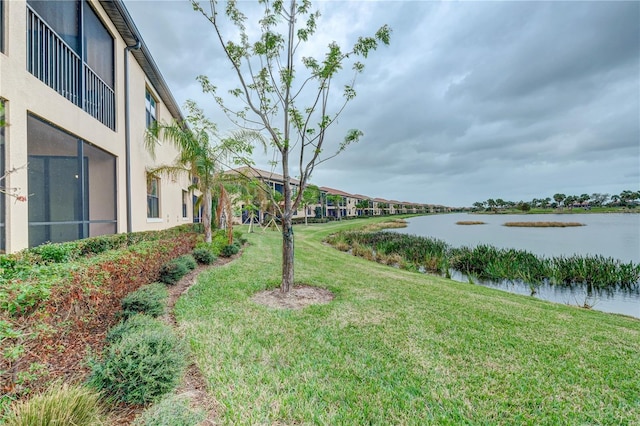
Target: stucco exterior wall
26 95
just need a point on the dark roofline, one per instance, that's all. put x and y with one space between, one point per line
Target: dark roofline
123 22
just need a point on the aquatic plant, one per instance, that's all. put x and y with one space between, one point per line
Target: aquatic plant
597 271
488 262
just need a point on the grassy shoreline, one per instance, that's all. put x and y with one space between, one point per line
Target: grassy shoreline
397 347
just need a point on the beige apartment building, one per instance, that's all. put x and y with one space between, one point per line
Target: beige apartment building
332 203
79 89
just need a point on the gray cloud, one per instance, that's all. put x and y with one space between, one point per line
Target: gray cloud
473 100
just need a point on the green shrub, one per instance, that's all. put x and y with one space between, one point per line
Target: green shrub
172 271
149 299
171 411
204 256
60 404
188 261
134 324
237 237
56 253
19 298
41 296
230 250
97 245
140 367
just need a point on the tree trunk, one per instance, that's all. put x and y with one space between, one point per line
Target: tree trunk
206 215
287 231
287 255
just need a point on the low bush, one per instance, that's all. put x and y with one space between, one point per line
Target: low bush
60 404
218 241
229 250
172 271
171 411
133 324
188 261
203 256
149 299
237 237
140 367
310 219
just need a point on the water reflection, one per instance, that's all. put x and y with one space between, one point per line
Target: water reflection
619 301
609 235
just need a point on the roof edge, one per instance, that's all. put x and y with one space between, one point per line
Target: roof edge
119 15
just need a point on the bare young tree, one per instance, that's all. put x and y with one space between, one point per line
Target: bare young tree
284 94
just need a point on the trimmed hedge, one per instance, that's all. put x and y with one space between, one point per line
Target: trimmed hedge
42 341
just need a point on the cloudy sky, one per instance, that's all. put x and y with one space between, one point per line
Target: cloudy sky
472 100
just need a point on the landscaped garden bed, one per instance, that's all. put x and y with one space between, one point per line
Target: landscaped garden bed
57 302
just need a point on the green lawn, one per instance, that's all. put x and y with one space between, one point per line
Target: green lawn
396 347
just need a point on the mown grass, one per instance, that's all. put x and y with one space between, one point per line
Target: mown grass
396 347
470 222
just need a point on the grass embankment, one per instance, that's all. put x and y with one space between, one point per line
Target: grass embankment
543 224
396 347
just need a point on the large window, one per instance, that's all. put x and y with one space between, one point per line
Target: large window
71 50
153 197
72 186
150 106
97 45
185 204
197 210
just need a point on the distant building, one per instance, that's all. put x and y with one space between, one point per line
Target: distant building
333 203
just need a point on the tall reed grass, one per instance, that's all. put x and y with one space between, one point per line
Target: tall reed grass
491 263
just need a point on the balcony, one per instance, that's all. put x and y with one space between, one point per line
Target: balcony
52 61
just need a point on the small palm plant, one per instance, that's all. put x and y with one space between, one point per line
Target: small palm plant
202 160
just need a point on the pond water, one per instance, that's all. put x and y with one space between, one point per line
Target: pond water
609 235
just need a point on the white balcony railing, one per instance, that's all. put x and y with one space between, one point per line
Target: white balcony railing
52 61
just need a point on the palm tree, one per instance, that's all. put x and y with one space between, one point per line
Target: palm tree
200 159
628 197
559 198
253 195
310 196
337 202
363 206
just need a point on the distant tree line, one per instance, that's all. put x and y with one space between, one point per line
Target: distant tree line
626 198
